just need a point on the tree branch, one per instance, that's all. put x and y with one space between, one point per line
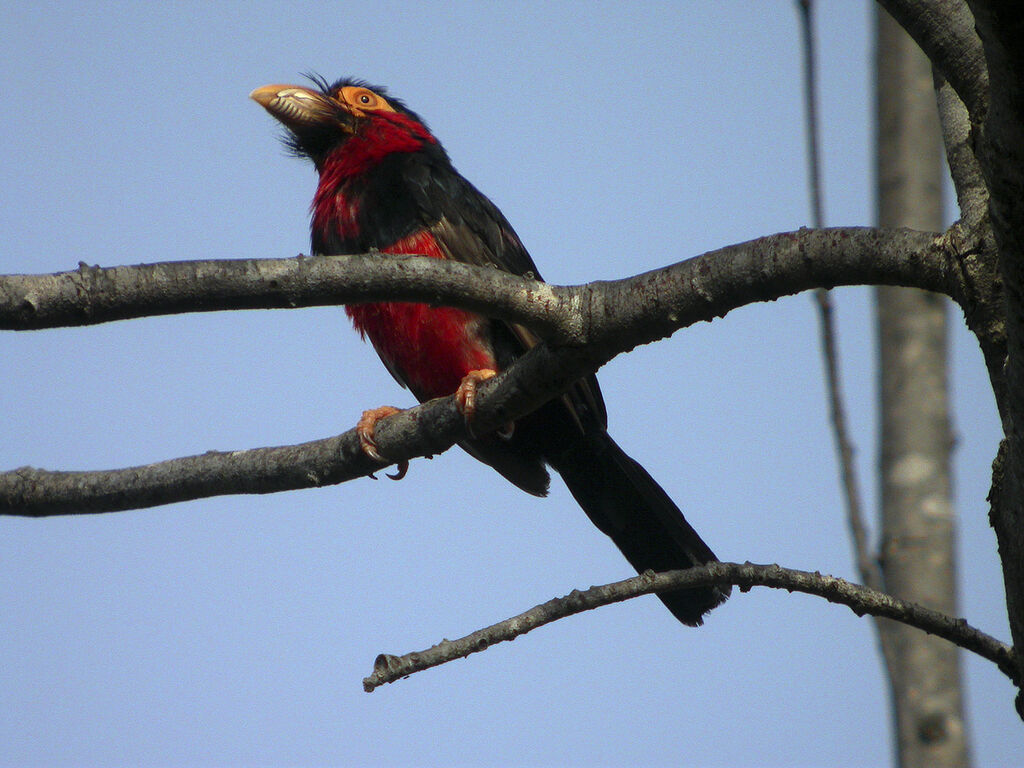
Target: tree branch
868 568
425 430
971 192
867 565
945 31
1000 152
759 270
591 325
31 492
983 305
92 295
861 600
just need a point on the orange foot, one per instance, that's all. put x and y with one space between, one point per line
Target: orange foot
465 398
365 428
465 395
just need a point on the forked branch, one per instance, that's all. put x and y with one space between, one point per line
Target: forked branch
586 327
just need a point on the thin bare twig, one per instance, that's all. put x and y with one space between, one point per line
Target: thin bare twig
867 566
861 600
811 109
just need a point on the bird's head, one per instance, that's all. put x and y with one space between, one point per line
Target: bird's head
350 122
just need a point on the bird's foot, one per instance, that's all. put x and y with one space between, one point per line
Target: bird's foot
465 398
465 395
365 428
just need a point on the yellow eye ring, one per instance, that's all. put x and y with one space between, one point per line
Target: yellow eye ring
363 99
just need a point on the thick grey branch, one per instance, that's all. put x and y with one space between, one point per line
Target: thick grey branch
945 31
971 192
91 295
860 600
983 304
759 270
1001 156
30 492
603 320
425 430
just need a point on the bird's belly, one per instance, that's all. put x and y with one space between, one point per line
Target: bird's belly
429 349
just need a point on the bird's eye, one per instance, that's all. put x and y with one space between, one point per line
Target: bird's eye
360 97
364 99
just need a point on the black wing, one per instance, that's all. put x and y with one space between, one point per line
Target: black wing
469 228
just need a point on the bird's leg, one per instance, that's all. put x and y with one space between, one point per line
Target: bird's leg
365 428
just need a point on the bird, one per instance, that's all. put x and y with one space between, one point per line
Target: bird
386 185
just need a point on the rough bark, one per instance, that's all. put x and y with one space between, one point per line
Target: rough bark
861 600
1000 151
944 29
586 325
759 270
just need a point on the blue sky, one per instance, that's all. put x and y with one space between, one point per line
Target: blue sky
236 631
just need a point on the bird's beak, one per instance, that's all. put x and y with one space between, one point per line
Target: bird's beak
298 108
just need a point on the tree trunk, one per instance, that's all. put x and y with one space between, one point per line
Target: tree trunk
918 542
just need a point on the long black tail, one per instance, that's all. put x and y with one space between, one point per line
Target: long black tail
625 502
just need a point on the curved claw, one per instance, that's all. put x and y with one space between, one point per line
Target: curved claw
365 429
400 472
